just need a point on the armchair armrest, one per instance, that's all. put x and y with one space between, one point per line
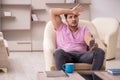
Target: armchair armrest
1 34
49 45
3 52
48 48
100 44
3 55
110 41
3 43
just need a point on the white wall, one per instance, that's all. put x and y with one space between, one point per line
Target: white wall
106 8
0 15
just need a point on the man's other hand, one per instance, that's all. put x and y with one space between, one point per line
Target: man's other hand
95 45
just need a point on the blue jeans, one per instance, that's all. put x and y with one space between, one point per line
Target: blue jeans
94 57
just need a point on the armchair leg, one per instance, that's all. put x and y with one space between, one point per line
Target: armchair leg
4 69
53 68
110 59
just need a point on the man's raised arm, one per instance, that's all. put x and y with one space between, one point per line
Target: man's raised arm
56 12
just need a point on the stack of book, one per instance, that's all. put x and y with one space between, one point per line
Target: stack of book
114 70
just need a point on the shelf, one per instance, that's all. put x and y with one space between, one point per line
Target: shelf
67 3
16 4
38 21
60 3
8 17
15 29
38 9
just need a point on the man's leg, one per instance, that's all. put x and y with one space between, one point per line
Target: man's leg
98 59
61 57
95 57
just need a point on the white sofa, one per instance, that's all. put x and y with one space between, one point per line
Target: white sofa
49 46
4 53
108 30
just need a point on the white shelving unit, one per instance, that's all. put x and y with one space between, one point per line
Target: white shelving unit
37 11
66 4
16 28
20 12
37 26
21 32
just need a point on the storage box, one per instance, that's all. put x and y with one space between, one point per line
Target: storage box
7 13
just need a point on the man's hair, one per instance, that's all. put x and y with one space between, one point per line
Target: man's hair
65 15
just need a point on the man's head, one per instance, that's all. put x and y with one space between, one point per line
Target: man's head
72 19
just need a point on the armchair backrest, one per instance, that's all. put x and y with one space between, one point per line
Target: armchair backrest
106 26
49 37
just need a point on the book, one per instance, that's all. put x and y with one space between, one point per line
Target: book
114 71
56 73
34 17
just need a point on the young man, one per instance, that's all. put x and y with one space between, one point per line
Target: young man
72 40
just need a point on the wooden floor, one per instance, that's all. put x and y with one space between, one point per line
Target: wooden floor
114 63
25 65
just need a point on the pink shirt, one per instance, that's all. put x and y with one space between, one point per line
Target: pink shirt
69 41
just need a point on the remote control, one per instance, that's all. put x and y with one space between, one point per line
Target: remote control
92 41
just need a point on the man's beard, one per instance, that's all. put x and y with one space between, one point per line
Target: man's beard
74 25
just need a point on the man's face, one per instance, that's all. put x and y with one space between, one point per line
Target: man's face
72 20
